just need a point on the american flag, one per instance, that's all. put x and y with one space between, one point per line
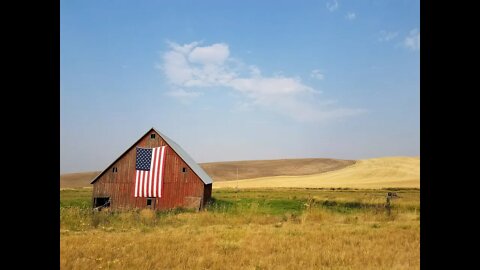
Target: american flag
149 171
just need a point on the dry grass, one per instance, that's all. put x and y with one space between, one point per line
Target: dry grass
308 245
370 173
250 229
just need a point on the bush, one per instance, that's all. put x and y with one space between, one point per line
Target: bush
329 203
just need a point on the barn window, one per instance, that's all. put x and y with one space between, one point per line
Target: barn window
114 169
101 202
184 169
152 136
151 202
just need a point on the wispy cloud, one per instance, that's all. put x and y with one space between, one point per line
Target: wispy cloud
387 36
182 95
190 65
317 74
412 41
332 5
351 16
195 67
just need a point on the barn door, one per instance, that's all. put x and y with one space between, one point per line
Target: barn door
151 202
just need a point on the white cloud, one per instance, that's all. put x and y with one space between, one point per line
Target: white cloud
412 41
190 65
255 71
387 36
317 74
182 95
332 6
190 68
269 85
215 54
176 67
351 16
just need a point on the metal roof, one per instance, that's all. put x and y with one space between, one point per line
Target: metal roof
187 158
178 149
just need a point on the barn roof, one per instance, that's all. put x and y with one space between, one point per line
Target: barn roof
178 149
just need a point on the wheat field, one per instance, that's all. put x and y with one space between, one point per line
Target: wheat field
369 173
279 228
333 220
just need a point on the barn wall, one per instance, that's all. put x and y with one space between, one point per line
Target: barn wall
178 189
207 194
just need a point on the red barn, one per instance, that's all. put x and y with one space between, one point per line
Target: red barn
155 172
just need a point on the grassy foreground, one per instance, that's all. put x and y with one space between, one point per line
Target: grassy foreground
247 229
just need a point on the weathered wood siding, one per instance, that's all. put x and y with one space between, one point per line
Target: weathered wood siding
207 194
179 189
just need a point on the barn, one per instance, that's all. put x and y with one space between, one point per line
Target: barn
156 173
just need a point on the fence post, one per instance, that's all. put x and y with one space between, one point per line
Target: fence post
388 204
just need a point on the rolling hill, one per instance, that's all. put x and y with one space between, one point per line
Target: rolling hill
311 172
369 173
74 180
227 171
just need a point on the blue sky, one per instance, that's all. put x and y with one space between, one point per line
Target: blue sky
239 80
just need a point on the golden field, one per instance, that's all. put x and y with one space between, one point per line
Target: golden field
305 214
278 228
369 173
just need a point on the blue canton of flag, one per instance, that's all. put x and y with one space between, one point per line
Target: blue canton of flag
144 159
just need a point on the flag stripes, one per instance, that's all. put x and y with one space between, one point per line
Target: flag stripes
149 171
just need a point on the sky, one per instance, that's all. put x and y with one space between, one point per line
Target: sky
239 80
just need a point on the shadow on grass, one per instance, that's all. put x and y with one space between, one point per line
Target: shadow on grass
346 207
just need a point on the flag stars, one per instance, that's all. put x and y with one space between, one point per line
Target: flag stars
144 159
